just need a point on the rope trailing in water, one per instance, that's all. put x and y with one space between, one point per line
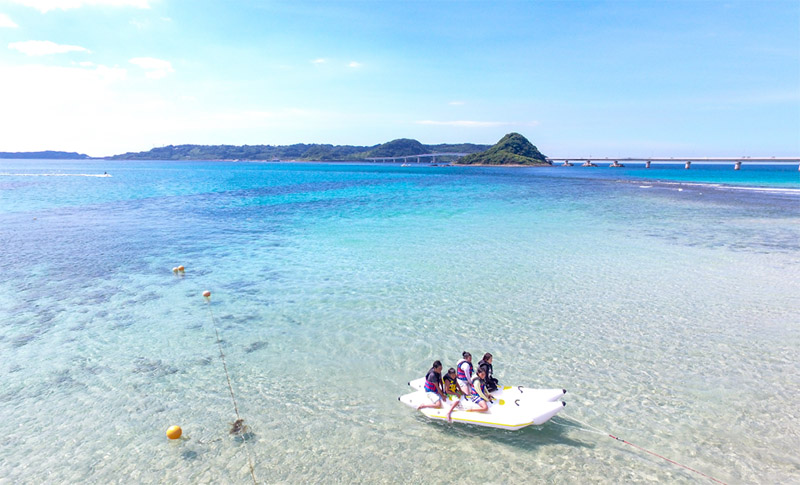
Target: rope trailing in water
238 427
600 431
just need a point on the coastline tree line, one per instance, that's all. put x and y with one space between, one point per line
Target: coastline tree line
512 149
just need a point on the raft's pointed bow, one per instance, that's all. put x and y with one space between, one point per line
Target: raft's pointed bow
545 411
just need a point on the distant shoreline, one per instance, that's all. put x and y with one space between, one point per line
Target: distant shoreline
227 160
601 163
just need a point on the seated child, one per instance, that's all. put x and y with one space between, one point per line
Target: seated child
450 384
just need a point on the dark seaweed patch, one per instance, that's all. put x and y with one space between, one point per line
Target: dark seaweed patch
155 368
97 297
246 436
189 455
23 340
291 320
63 379
256 346
248 319
150 296
239 285
122 324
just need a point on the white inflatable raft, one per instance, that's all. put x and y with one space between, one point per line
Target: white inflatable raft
511 393
513 407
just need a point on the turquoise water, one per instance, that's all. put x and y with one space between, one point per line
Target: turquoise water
665 301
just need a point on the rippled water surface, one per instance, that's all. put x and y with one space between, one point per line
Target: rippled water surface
665 301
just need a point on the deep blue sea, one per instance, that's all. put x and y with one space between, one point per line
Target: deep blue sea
665 300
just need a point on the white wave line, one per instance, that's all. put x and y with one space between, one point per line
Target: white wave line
784 190
767 189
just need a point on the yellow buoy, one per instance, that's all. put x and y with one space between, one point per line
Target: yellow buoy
181 269
174 432
502 402
207 294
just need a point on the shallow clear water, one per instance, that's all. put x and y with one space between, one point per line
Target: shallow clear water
665 301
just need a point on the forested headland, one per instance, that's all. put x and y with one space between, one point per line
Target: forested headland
300 151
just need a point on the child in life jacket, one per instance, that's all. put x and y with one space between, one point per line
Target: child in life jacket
479 395
450 383
433 387
464 373
486 365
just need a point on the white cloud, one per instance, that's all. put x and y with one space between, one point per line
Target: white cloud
5 21
319 61
86 108
102 110
354 64
44 47
154 68
89 110
45 6
140 24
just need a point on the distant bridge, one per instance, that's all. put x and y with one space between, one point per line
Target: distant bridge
686 161
406 158
613 162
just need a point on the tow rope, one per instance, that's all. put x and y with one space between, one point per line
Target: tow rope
601 432
238 426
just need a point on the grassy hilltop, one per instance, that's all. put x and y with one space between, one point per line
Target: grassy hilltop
512 149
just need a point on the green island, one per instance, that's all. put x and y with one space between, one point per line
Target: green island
512 149
45 155
299 152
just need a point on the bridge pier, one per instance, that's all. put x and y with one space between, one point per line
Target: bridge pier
687 162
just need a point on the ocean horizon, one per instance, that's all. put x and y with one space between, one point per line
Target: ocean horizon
664 300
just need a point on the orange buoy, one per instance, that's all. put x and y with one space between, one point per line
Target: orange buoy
207 294
174 432
175 270
181 268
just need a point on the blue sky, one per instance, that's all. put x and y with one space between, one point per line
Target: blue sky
623 78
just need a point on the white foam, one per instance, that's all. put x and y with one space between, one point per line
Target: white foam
773 190
781 190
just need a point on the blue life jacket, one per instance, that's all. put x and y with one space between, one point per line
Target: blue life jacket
431 386
460 372
472 388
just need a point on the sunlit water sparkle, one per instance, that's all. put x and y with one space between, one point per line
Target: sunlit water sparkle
665 301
